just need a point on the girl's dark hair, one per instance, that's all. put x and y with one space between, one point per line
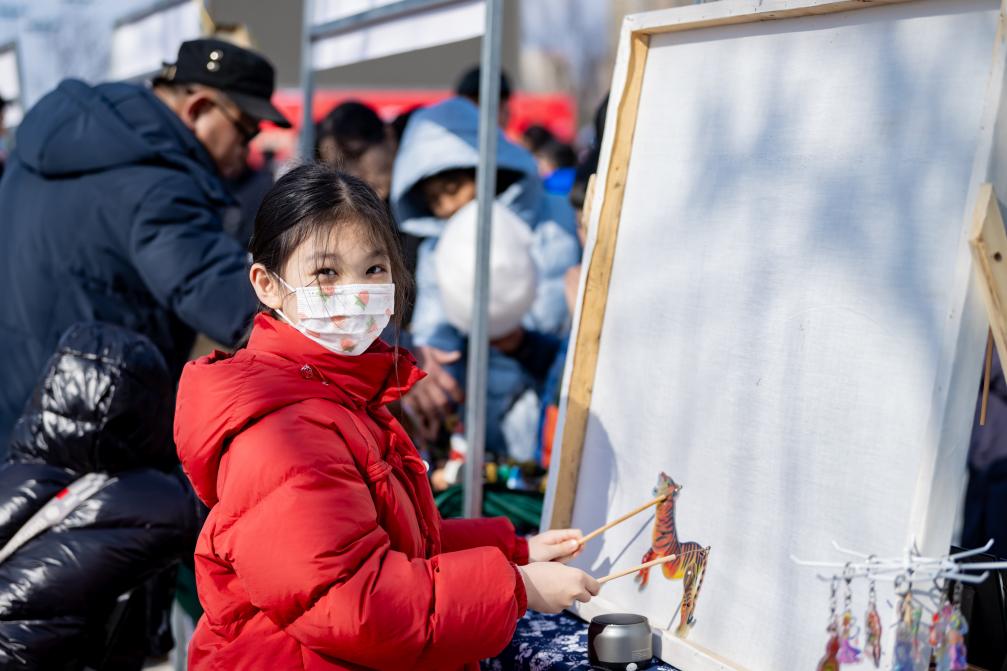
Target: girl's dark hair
310 200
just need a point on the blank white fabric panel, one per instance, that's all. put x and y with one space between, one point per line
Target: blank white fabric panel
785 297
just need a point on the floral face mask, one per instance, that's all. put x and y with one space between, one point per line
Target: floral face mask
344 318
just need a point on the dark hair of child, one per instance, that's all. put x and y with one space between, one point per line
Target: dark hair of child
578 192
315 199
452 180
537 136
354 127
560 154
399 123
468 85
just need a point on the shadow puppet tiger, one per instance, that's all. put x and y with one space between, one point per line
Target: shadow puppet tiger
691 563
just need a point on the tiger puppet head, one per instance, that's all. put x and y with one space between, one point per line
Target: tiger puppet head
666 486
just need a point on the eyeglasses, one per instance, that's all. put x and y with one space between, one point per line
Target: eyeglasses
247 134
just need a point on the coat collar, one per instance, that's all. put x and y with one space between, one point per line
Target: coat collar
378 376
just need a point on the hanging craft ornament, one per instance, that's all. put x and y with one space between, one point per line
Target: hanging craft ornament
939 635
872 623
939 642
918 636
921 644
954 657
902 660
848 653
829 661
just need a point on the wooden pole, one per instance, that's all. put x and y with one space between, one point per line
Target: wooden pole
620 574
986 377
599 531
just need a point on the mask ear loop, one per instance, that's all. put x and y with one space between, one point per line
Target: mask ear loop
278 312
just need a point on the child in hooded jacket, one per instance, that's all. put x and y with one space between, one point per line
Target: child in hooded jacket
323 548
434 178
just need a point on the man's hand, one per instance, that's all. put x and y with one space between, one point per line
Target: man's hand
433 397
509 343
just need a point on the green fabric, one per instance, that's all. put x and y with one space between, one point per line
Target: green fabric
185 593
524 509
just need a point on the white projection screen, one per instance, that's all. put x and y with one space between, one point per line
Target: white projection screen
778 306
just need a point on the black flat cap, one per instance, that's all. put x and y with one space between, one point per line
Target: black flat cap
246 77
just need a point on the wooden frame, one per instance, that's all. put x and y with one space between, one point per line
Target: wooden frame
988 240
588 337
607 205
962 337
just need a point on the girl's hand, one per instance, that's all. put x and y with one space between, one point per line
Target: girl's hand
555 545
551 587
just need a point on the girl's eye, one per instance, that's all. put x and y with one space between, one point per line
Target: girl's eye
326 272
375 270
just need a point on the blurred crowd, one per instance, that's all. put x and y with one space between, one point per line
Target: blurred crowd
423 163
128 211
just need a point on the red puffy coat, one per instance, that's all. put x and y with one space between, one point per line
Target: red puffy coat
323 548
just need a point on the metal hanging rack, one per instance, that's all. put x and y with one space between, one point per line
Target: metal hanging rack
911 565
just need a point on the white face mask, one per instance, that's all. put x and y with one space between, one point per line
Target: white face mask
346 318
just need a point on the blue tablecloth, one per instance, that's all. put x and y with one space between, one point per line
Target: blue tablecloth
548 643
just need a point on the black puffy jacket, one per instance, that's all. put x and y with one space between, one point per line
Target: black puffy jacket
103 405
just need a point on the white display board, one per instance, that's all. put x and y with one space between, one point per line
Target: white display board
790 328
10 85
453 22
141 46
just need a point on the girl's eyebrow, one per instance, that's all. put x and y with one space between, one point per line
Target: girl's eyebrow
323 256
332 256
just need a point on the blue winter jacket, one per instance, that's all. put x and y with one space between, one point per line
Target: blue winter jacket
446 137
110 211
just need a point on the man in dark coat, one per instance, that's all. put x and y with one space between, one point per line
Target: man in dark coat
110 211
60 586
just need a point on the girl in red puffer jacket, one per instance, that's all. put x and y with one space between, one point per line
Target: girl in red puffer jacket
323 548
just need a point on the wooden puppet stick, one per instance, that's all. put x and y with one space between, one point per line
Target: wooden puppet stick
620 574
986 377
599 531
